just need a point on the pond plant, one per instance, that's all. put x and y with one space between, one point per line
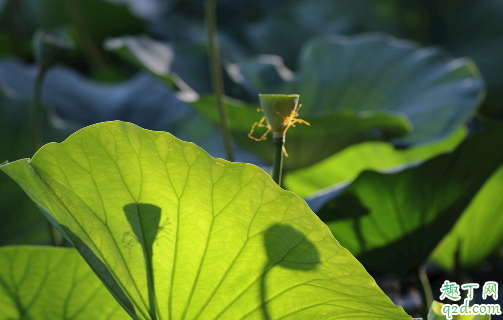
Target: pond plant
121 205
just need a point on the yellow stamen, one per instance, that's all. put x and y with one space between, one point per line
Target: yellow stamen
259 124
288 122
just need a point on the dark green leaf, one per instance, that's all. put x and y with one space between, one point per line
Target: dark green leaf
478 231
376 73
378 156
392 222
306 145
364 88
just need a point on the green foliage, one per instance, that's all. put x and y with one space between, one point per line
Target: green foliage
144 52
372 73
41 283
377 156
396 77
392 222
175 233
477 232
218 239
178 65
325 136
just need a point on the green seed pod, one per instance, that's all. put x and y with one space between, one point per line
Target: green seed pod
279 110
49 47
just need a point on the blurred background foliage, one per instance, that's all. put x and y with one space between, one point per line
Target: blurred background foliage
405 99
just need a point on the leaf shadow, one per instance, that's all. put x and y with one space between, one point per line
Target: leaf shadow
287 248
347 206
144 220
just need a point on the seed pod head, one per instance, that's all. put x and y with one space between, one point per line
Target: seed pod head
278 110
49 47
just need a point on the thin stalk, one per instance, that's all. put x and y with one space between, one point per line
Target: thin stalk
457 263
217 79
277 166
76 13
425 284
37 128
458 274
37 116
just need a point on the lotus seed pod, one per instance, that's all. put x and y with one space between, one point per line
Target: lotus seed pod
278 110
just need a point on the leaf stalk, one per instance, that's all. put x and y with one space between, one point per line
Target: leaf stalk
277 167
217 79
37 111
426 287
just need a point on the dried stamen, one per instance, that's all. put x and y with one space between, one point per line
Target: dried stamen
288 122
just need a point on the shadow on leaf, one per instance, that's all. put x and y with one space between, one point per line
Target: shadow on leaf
286 248
144 220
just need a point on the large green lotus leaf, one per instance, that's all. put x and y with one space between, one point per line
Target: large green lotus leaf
306 145
378 156
369 75
376 73
39 283
392 222
176 233
478 231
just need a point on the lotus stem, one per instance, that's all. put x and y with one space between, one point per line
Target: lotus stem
277 167
217 79
425 284
37 111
